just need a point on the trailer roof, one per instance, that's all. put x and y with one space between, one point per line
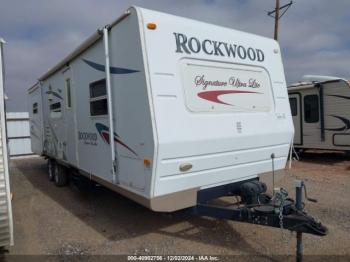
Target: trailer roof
319 78
311 84
81 48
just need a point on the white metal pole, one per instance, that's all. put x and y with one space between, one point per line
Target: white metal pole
110 105
4 141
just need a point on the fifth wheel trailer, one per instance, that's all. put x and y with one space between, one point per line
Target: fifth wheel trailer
189 107
6 223
321 113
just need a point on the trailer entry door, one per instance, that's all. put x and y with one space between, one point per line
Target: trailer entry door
294 101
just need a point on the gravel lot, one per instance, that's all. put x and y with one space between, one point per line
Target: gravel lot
51 220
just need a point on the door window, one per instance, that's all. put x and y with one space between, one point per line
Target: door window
311 109
35 108
68 94
293 106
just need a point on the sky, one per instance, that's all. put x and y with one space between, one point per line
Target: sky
314 34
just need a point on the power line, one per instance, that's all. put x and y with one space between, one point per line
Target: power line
277 15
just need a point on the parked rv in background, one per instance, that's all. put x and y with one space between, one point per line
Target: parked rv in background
320 107
189 106
6 222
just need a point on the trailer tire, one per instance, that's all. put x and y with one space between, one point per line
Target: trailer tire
60 175
51 169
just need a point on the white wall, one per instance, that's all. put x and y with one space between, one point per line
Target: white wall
18 133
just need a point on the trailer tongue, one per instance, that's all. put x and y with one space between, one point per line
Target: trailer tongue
258 207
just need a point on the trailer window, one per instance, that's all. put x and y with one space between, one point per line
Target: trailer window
68 94
293 106
35 108
55 110
98 98
311 109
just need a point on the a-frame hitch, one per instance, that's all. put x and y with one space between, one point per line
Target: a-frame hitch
257 207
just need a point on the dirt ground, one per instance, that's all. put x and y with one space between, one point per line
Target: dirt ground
51 220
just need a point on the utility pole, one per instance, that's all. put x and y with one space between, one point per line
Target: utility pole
276 14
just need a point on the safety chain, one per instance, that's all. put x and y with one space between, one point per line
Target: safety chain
281 197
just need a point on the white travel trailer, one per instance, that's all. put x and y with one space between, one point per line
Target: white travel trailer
6 222
189 107
321 113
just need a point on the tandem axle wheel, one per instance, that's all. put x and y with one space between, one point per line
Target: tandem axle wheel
57 173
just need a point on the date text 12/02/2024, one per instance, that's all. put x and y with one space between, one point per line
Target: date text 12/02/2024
173 258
